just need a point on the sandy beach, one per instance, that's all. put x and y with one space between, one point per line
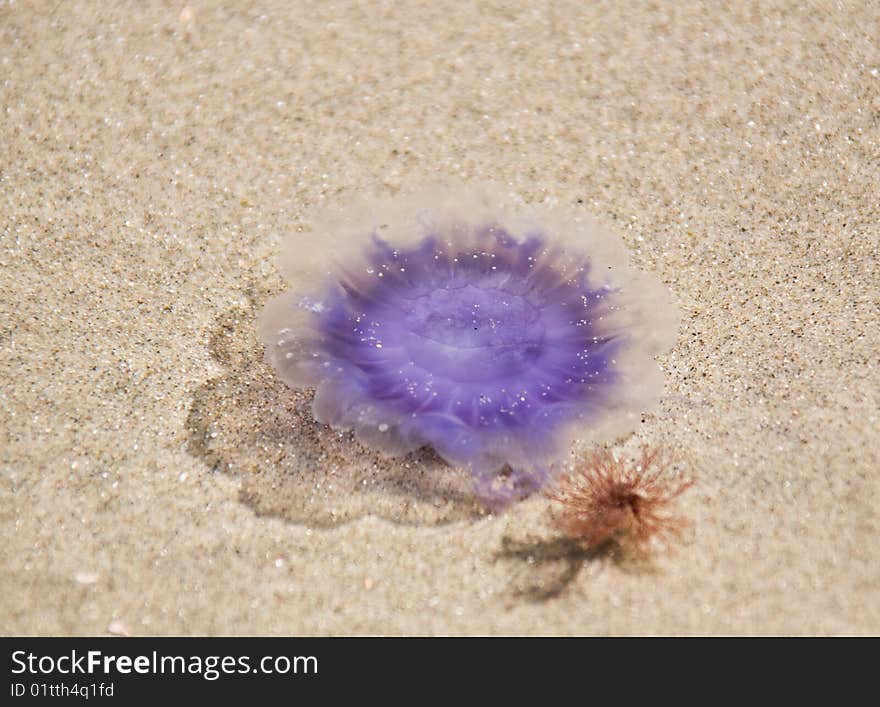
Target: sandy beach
158 478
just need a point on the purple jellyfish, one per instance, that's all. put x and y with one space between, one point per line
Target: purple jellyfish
495 333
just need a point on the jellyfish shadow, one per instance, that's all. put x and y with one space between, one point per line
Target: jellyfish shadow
247 423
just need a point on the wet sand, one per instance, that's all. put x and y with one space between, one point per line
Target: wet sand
158 479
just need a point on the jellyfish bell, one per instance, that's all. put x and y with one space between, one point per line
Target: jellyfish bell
495 332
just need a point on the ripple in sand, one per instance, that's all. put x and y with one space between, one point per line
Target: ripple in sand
248 423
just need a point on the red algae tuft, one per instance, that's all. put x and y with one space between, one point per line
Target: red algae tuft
607 501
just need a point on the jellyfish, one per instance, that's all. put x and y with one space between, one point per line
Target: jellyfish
497 333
